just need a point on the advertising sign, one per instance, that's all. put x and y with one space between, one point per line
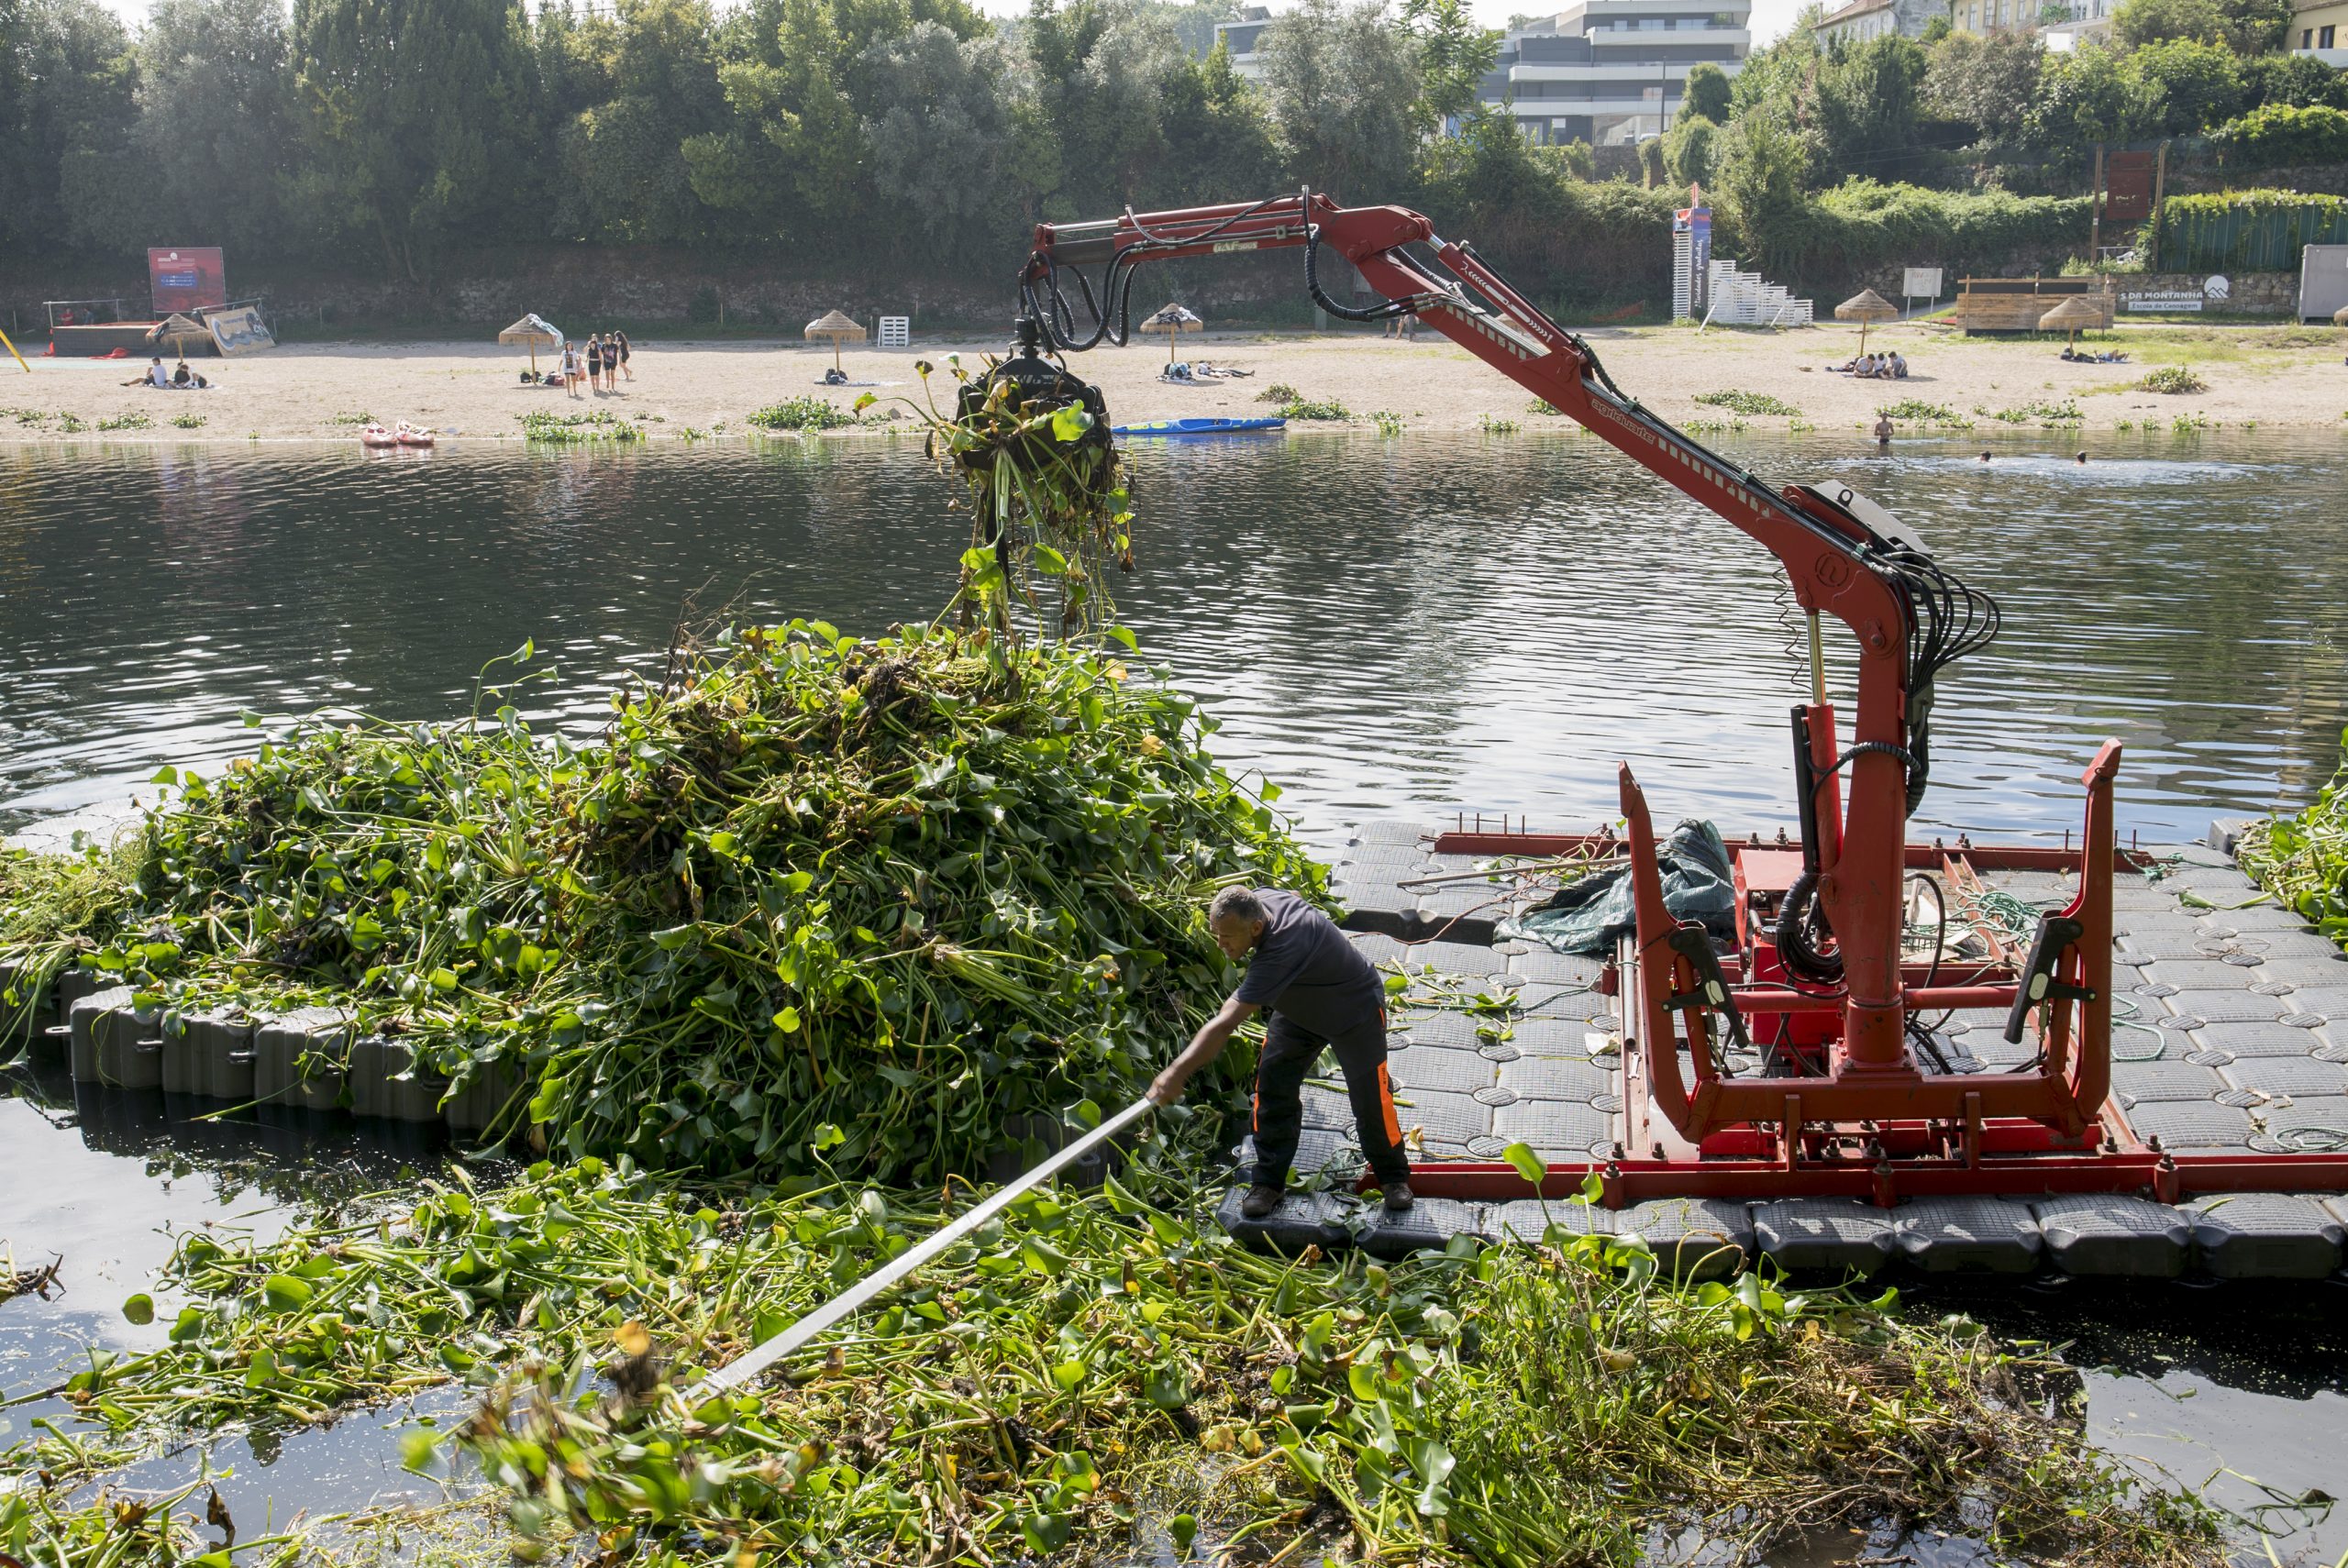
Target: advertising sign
2165 300
186 280
1922 284
239 331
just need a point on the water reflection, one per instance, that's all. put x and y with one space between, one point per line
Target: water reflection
1381 625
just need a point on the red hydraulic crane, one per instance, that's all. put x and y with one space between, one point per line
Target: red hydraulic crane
1853 1107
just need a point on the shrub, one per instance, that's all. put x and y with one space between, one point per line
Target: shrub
1278 392
2172 379
2280 134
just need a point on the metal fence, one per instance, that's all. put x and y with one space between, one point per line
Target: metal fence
2247 239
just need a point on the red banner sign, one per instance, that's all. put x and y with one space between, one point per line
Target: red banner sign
186 278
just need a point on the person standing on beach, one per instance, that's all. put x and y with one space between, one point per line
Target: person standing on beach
621 338
1322 992
570 368
595 363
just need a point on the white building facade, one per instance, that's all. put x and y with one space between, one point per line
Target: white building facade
1240 40
1614 72
1861 20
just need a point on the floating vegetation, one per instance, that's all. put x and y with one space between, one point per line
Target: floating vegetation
1388 423
1280 392
915 891
1916 410
187 421
2040 412
1304 408
2173 379
589 424
1491 426
1748 402
70 425
2187 424
803 414
360 418
2303 859
134 420
14 1281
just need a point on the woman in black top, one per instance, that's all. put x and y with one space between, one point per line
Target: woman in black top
595 363
621 338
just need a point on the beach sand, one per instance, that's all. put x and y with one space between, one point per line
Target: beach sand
2276 377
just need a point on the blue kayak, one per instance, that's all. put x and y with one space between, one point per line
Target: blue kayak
1199 426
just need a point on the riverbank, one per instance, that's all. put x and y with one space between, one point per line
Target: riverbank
2249 376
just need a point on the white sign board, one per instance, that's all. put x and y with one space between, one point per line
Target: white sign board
2173 300
1922 284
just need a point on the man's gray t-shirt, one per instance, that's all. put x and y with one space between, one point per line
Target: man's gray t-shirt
1306 970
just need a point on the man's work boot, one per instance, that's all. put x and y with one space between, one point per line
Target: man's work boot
1400 1198
1261 1199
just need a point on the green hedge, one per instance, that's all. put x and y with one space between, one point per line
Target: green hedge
2248 231
2279 134
1863 226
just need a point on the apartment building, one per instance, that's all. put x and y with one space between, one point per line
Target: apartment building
1612 71
2319 29
1239 41
1862 19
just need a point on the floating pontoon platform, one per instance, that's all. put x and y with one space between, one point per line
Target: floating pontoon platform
2229 1063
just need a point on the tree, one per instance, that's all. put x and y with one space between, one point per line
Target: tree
1705 94
413 114
2186 86
1688 149
1987 84
2085 97
1219 144
214 119
2140 22
1868 102
789 160
1455 56
624 172
1341 83
940 132
2255 27
2295 80
1761 169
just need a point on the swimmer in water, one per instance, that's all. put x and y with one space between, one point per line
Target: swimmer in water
1984 456
1883 433
2083 457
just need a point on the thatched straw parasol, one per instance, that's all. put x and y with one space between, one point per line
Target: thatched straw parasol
2072 314
839 329
1866 307
1173 321
177 330
536 331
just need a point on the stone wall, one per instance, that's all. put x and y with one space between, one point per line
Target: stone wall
2244 293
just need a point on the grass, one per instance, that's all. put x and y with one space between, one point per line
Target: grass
801 413
591 425
1747 403
2172 379
1306 409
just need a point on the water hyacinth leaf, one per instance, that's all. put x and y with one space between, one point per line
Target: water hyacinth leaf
1528 1164
1182 1529
1433 1463
139 1310
1046 1534
1042 1256
287 1292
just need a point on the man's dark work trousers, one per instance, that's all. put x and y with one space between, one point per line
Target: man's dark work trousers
1288 1056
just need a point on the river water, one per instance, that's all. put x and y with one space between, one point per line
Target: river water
1419 625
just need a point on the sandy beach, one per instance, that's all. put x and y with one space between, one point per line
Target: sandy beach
2270 376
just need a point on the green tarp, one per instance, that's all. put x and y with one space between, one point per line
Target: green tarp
1589 916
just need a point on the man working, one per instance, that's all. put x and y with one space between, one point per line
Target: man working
1322 991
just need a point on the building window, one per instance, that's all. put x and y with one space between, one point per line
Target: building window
2323 39
2307 38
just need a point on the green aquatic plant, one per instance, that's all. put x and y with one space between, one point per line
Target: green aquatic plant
1388 423
1748 402
1306 409
187 421
2172 379
134 420
2302 859
544 424
70 423
2044 414
1491 426
1543 407
1915 410
1280 392
923 890
361 417
805 413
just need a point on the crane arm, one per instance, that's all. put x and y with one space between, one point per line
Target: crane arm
1844 556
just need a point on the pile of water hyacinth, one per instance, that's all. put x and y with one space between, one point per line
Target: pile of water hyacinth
885 899
1092 1374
